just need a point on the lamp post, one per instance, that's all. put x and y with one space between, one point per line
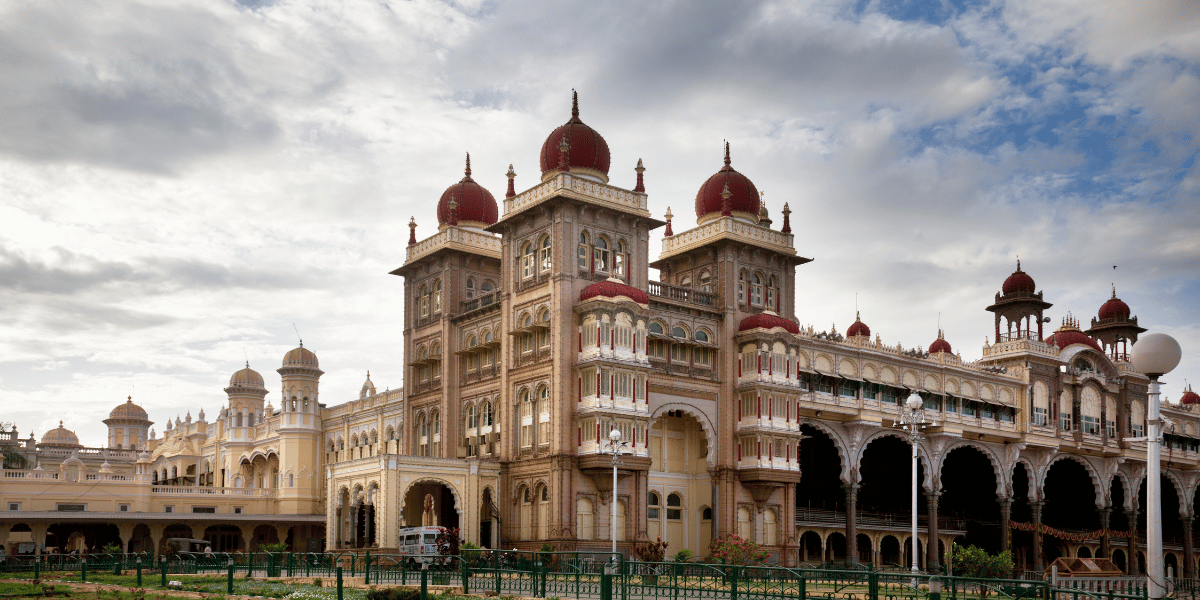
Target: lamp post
1155 355
912 418
614 446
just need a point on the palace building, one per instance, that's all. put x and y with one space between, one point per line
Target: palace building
532 328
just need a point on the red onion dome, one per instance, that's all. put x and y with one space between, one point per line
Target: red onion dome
743 196
587 152
1114 308
940 344
1070 334
300 356
474 205
768 320
858 327
1019 281
613 288
1189 397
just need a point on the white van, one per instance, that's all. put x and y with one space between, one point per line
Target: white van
420 543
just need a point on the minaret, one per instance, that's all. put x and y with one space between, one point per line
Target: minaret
246 393
299 432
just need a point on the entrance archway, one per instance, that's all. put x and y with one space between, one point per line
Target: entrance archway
224 538
81 538
969 493
430 502
821 472
679 481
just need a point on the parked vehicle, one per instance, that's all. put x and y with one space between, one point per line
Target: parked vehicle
419 544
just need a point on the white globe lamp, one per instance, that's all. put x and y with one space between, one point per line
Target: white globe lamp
1156 354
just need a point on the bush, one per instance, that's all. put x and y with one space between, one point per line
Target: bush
683 555
737 551
274 547
651 551
394 594
973 561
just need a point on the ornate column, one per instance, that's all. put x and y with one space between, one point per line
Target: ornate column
1005 525
851 522
1132 561
281 532
931 541
1189 560
1038 563
1105 535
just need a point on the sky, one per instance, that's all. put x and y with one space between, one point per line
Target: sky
187 186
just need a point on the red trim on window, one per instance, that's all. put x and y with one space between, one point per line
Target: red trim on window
759 450
581 436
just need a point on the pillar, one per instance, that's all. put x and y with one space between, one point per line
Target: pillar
851 522
787 525
4 529
1039 564
247 536
931 540
281 532
1189 561
156 537
1105 534
1005 524
369 518
38 531
1131 560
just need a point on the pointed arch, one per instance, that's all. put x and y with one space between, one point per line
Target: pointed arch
922 456
1093 474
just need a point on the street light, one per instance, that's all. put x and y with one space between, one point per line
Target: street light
1155 355
614 446
912 418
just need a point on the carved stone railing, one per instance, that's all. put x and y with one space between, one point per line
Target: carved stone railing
681 294
576 186
728 228
458 238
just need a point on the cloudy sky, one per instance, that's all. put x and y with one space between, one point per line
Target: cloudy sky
182 182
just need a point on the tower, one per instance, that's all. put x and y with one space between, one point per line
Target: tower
300 486
1018 302
1114 328
128 426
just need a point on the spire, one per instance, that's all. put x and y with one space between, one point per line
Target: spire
564 164
641 186
453 206
1018 264
467 171
787 222
725 195
412 238
1114 291
574 105
727 161
511 174
668 232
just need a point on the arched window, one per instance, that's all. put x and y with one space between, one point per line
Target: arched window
600 256
771 293
488 286
654 505
679 332
437 296
250 419
705 281
526 422
544 255
619 259
423 300
486 414
583 251
291 480
543 430
701 336
527 260
741 291
472 421
674 507
656 328
756 290
470 288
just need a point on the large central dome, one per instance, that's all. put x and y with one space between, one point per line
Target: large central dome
743 199
587 152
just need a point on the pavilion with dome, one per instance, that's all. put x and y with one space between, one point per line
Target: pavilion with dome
533 328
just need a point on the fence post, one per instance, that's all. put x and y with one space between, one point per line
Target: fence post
139 571
339 580
424 581
539 577
606 583
873 586
367 569
496 564
466 575
83 568
229 577
37 567
803 588
733 592
162 569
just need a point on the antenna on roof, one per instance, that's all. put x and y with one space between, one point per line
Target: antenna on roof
298 335
247 355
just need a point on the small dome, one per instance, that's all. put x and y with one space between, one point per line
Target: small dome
300 356
1114 308
768 320
613 288
129 410
858 327
587 151
474 205
61 437
743 196
1189 397
248 377
1019 281
940 345
1070 334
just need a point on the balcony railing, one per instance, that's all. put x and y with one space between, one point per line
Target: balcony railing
182 490
481 301
681 294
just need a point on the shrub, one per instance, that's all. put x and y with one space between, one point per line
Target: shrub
651 551
394 594
448 541
737 551
973 561
273 547
683 555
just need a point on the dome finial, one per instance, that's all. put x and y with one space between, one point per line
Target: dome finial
787 221
1018 264
668 232
511 174
412 236
641 186
1114 291
574 104
725 195
467 171
727 161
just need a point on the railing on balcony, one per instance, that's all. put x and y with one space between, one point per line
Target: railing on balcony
480 374
482 301
182 490
1020 335
681 294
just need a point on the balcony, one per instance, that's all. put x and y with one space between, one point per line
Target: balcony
485 300
613 403
681 294
480 374
181 490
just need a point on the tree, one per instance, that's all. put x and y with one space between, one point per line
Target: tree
973 561
737 551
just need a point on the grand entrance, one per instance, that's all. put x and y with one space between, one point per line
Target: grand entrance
680 491
429 503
